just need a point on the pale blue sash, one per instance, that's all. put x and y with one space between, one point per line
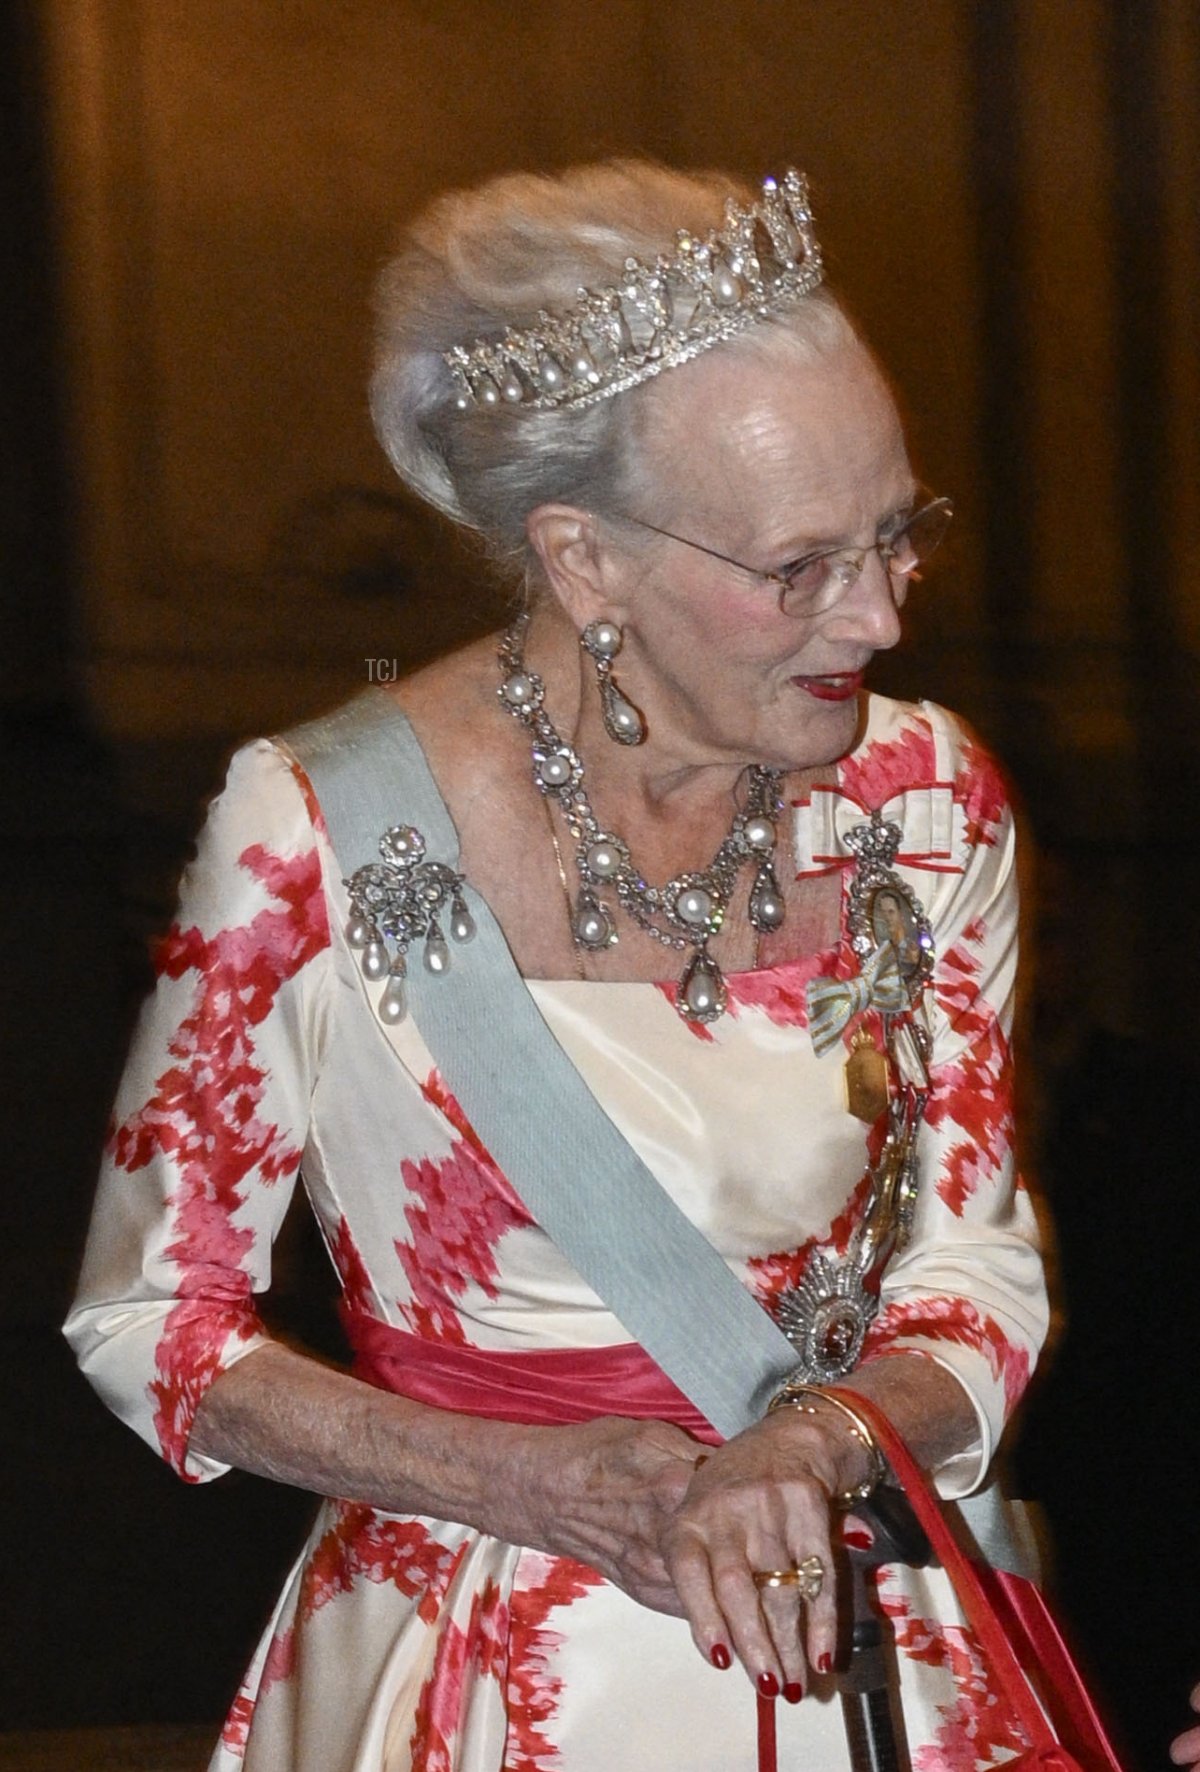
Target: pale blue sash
576 1173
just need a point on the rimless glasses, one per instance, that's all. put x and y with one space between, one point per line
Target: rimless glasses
813 584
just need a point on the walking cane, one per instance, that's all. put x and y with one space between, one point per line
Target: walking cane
867 1678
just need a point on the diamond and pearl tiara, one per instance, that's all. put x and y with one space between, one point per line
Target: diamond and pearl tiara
662 313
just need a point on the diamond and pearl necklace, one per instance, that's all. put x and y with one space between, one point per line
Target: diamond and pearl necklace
686 912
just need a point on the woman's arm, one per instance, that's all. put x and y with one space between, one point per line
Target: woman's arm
924 1402
602 1492
625 1497
968 1289
211 1116
763 1502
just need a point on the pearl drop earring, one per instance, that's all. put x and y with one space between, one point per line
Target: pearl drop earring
602 640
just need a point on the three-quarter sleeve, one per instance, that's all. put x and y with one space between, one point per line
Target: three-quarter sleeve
968 1289
210 1121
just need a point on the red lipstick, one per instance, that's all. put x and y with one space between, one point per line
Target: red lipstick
836 686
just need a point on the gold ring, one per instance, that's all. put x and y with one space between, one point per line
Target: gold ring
808 1576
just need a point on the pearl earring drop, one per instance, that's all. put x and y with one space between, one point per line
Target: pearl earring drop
602 640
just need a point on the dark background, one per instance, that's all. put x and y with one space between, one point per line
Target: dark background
199 541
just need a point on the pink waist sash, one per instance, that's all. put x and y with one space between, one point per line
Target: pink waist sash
547 1387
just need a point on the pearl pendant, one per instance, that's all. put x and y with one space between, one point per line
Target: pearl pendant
403 845
701 994
593 926
603 859
393 1002
437 954
603 639
622 721
358 932
725 286
767 909
374 960
518 689
694 906
759 834
583 367
554 771
550 374
462 923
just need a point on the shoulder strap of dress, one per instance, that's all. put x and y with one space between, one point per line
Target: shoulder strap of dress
577 1174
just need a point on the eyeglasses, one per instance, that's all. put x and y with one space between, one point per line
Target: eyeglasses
814 584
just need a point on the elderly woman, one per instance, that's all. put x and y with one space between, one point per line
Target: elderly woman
656 814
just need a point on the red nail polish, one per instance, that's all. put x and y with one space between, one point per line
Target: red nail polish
768 1685
793 1692
824 1662
858 1538
719 1655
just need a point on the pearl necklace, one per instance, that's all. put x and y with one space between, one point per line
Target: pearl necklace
690 908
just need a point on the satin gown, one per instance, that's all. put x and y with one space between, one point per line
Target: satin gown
417 1643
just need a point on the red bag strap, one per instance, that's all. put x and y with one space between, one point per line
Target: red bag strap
968 1588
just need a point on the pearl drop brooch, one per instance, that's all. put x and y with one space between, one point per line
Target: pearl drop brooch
397 901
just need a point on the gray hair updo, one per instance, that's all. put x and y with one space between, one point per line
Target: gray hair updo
476 262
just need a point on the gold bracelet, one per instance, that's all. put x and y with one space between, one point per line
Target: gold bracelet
792 1394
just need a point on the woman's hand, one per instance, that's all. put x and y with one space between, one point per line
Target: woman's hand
1185 1749
603 1491
762 1502
606 1492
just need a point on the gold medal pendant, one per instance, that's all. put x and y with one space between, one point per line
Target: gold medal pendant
866 1078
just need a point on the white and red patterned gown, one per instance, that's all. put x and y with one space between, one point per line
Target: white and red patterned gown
416 1643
